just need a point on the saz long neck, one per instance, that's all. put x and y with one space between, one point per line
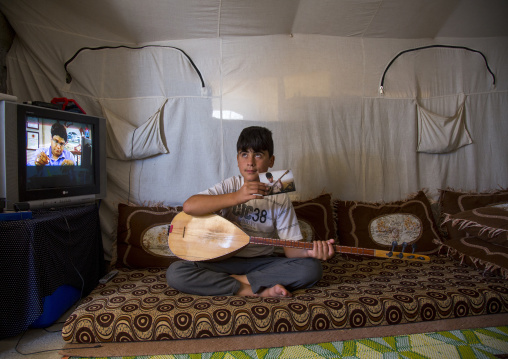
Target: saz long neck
307 245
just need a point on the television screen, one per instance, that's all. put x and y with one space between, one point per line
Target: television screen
58 154
52 157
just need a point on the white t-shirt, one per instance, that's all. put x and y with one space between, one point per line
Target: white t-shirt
268 217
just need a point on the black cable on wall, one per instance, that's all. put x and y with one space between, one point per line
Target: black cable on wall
68 77
381 86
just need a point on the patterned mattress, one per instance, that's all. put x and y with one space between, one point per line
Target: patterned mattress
138 305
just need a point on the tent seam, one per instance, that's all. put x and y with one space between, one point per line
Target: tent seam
219 19
220 109
221 164
362 121
372 19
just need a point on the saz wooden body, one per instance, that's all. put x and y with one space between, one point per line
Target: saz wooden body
205 238
212 237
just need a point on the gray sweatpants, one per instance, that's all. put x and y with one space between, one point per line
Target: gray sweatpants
213 278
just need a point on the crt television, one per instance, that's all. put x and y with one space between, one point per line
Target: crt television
25 131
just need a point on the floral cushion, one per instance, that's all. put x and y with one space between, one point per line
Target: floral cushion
142 239
379 225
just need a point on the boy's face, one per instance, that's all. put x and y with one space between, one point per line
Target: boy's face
251 164
57 145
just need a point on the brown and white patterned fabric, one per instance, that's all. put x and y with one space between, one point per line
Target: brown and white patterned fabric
142 236
476 224
452 202
487 223
481 254
138 305
317 215
378 225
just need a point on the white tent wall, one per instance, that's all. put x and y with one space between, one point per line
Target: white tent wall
316 86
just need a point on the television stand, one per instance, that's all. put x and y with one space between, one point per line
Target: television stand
37 256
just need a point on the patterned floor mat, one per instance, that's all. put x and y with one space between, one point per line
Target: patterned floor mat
491 342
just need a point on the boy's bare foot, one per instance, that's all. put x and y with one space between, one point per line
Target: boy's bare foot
246 290
276 291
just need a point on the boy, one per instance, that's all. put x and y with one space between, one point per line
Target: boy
56 154
253 270
276 187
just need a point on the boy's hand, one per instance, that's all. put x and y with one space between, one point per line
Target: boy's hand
42 159
252 190
322 250
201 204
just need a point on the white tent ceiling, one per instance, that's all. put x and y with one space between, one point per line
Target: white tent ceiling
134 22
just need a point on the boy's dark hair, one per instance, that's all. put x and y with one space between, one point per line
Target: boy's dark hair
268 175
256 138
59 130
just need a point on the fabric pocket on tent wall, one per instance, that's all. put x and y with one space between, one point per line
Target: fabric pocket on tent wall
128 142
440 134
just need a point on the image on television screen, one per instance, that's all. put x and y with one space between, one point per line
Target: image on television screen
58 153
